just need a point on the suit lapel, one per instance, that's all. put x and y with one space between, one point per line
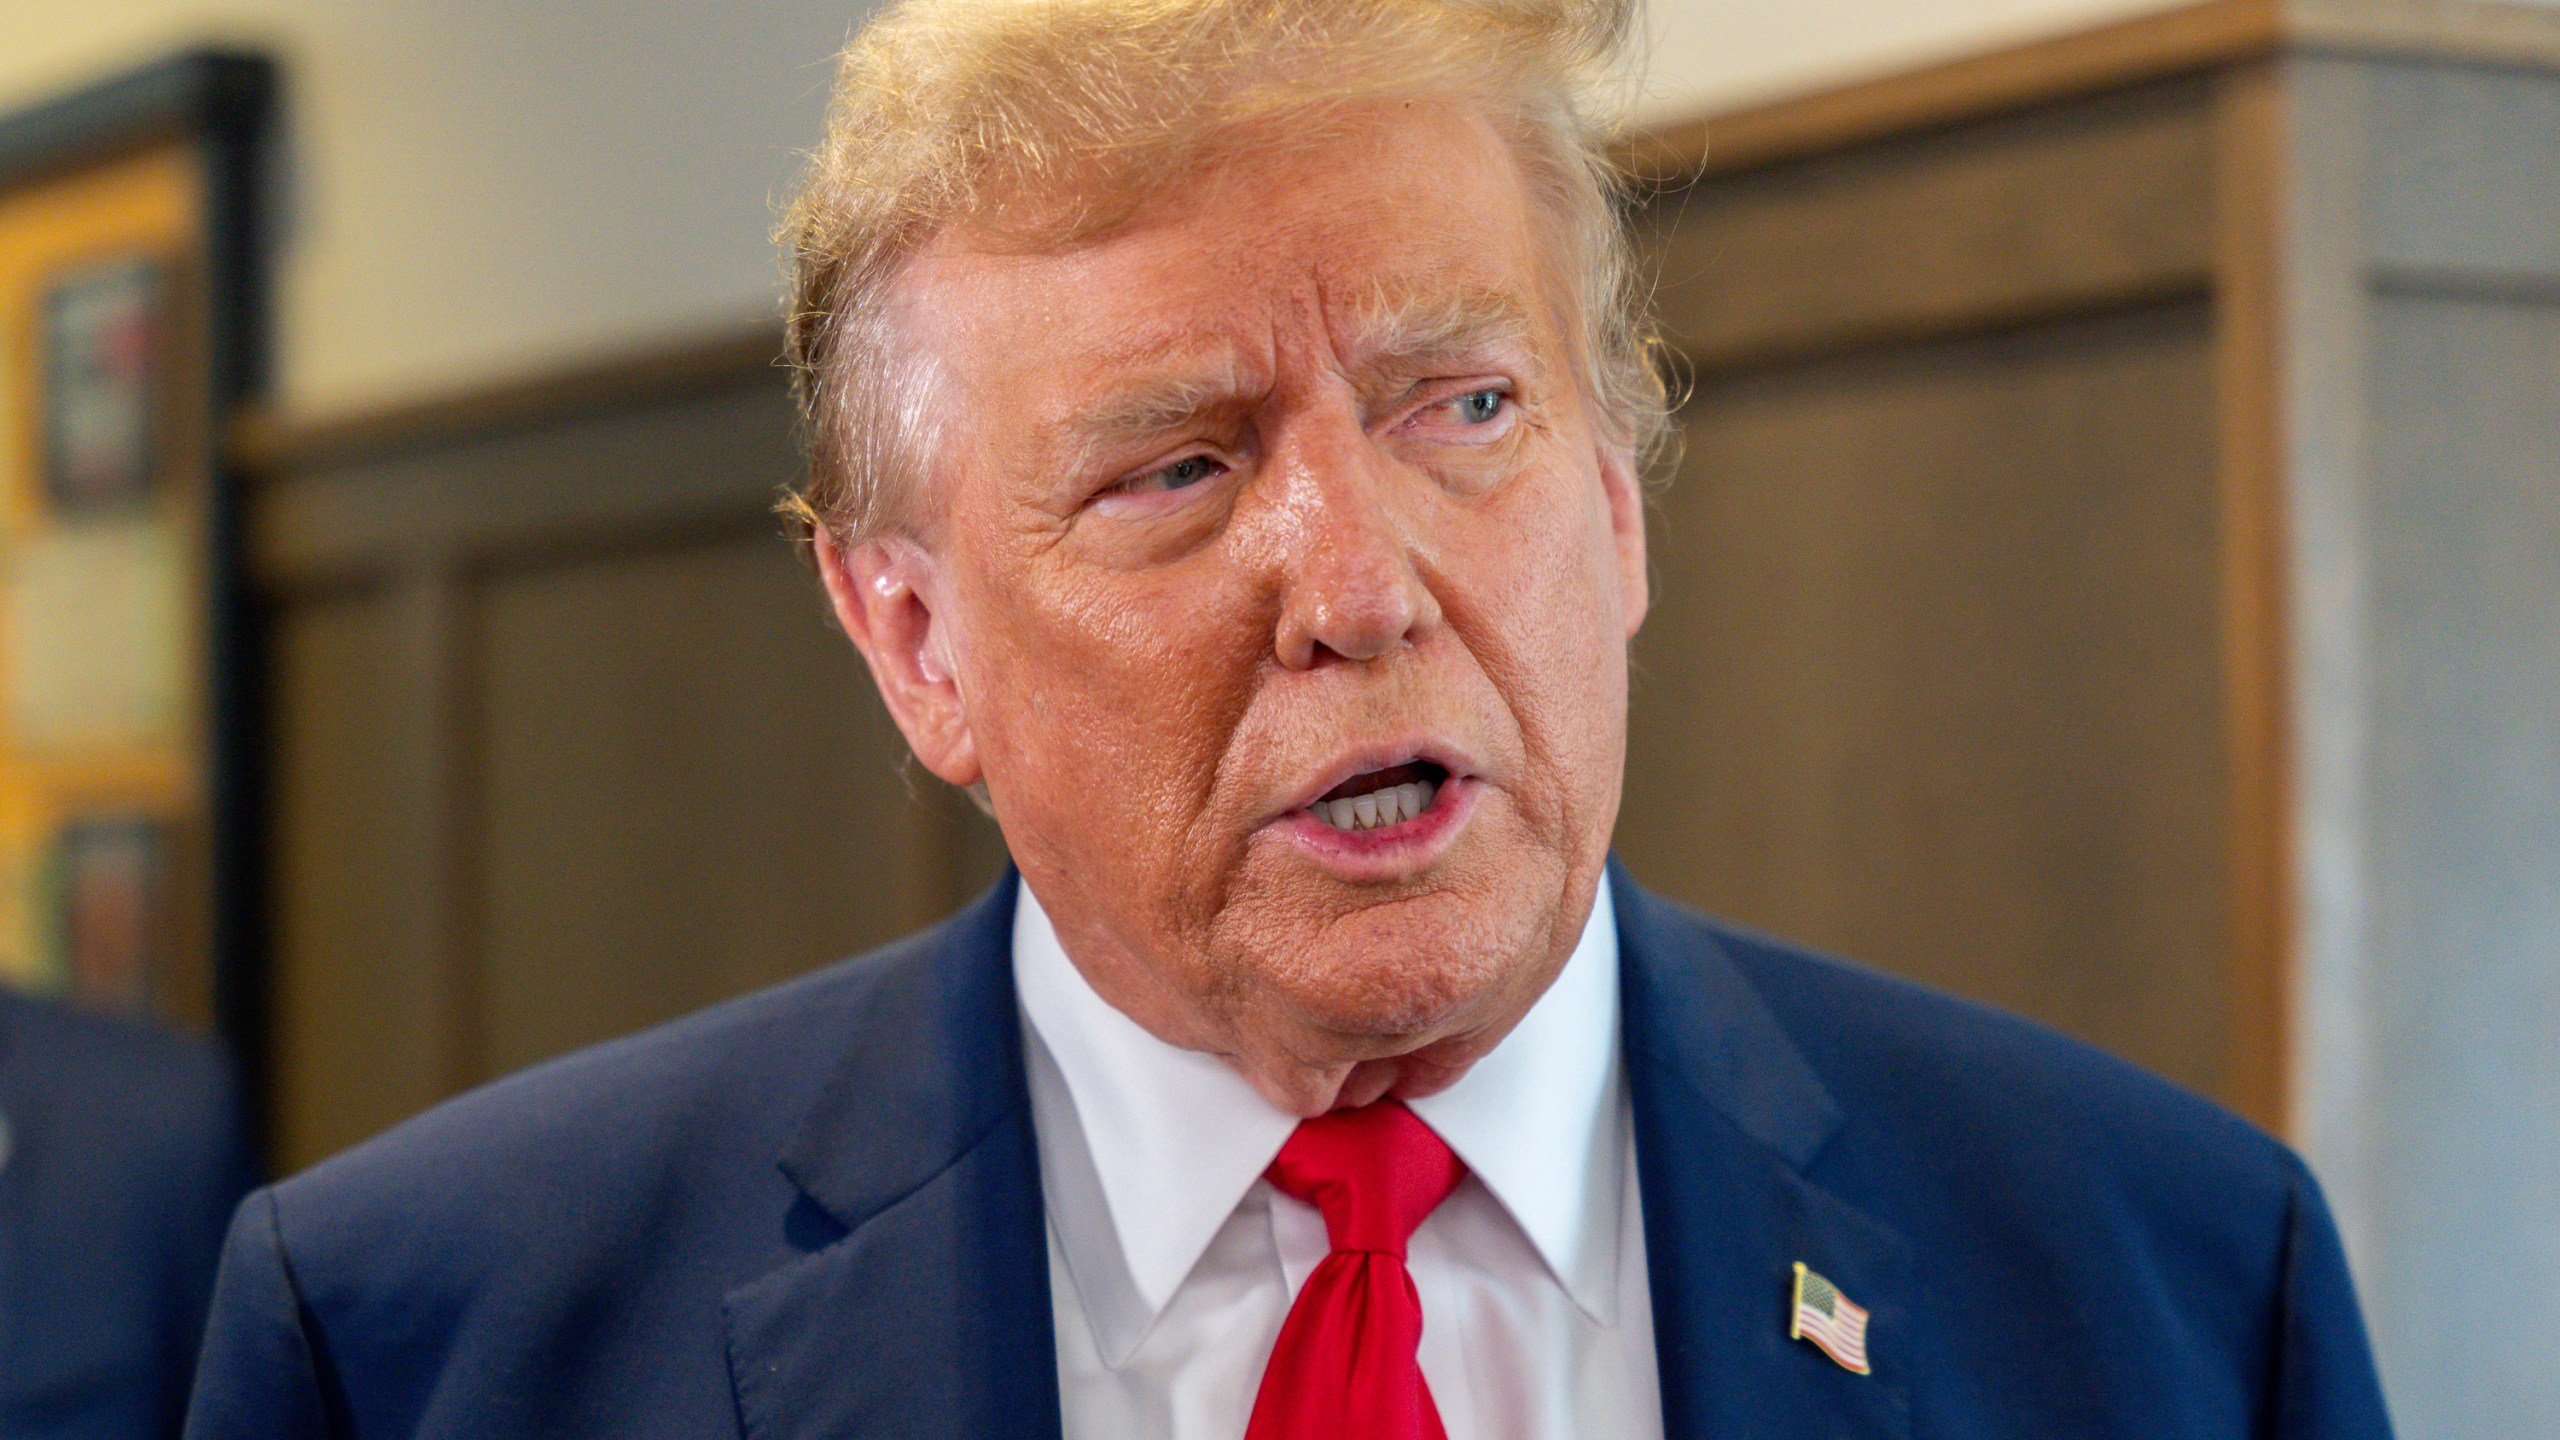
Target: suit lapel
1728 1119
922 1305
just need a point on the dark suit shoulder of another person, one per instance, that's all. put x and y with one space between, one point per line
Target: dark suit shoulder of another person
125 1151
2093 1244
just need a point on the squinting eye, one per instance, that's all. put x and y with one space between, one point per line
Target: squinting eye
1180 475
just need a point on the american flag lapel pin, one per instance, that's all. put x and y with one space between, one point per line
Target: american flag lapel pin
1830 1320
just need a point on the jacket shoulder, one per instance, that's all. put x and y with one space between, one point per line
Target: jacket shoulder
1933 1078
562 1242
2179 1269
627 1133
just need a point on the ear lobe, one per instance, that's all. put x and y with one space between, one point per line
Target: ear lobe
886 594
1626 523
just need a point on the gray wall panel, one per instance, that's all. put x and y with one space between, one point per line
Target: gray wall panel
2466 168
2465 852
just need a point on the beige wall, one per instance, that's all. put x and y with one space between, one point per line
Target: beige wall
1720 52
479 188
487 187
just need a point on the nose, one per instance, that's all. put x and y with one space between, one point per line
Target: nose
1350 589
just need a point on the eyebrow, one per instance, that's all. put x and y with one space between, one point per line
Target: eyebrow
1397 329
1394 332
1142 411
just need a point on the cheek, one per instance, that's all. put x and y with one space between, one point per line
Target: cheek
1556 645
1103 702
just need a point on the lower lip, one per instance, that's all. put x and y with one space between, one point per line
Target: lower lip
1389 852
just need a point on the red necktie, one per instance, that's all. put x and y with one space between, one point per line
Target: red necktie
1344 1368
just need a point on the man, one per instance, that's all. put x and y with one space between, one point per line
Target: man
1226 422
122 1154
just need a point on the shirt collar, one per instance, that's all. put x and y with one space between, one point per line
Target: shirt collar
1146 1149
1539 1120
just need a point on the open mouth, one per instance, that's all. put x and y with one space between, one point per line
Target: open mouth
1375 799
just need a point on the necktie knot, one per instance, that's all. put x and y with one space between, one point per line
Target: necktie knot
1345 1366
1374 1174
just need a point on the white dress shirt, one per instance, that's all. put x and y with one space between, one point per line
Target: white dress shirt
1172 1262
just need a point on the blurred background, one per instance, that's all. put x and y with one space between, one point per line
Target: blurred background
2114 571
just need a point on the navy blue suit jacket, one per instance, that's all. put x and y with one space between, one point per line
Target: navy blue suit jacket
121 1157
816 1212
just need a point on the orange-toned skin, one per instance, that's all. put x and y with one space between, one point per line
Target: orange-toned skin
1151 647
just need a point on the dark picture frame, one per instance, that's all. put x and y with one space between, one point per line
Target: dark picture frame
219 107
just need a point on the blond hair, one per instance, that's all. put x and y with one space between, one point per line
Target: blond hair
1053 120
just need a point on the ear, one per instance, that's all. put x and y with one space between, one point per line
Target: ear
889 598
1626 523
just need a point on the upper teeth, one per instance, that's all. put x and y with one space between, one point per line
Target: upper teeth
1378 807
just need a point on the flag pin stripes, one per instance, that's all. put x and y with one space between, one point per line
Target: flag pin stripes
1830 1320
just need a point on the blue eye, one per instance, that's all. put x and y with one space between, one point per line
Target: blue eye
1478 406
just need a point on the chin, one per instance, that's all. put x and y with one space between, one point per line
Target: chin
1398 976
1385 1004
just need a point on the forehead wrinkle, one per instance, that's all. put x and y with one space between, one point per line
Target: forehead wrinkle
1152 377
1397 324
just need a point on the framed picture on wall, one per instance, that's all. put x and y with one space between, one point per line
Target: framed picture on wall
114 910
132 291
106 335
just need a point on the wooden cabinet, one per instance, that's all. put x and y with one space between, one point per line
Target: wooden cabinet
566 742
1980 648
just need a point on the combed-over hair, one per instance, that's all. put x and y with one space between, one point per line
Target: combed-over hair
1049 121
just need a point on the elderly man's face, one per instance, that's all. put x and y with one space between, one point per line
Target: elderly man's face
1281 498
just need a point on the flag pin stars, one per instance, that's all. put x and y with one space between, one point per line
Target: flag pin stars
1830 1320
